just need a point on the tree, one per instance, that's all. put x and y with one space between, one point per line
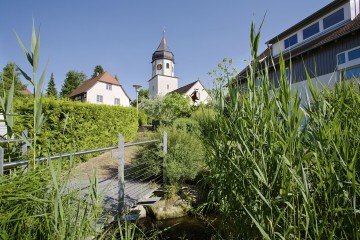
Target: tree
51 89
72 81
165 110
143 94
97 70
10 73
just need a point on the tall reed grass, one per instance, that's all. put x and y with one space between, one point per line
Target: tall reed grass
274 177
42 203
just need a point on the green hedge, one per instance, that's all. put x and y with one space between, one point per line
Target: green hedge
74 126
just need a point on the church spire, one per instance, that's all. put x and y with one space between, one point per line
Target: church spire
163 51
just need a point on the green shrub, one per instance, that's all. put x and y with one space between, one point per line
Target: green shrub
143 118
185 157
74 126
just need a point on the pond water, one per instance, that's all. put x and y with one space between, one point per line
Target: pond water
181 228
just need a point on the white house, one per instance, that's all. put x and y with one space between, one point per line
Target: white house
163 80
102 89
195 91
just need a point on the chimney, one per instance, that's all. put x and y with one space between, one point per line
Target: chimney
97 73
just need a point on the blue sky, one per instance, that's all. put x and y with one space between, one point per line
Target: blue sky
121 35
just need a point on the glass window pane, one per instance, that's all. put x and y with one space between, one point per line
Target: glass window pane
334 18
352 73
354 54
290 41
341 58
311 30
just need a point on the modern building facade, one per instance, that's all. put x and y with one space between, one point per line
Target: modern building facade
326 44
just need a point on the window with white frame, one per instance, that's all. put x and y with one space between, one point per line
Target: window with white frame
348 55
334 18
108 86
99 98
311 30
117 101
290 41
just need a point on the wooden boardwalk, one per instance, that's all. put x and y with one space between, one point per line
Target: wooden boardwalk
108 189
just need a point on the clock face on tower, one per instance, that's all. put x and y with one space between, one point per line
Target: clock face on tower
159 67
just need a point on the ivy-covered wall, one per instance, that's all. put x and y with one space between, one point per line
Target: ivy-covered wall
73 126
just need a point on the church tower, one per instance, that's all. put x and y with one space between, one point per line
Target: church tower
162 80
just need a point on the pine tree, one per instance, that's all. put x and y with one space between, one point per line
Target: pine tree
97 70
10 72
51 89
73 80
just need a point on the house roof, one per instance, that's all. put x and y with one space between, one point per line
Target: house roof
25 91
331 6
186 88
105 77
163 51
349 28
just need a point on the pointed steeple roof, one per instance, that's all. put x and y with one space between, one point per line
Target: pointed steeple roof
163 51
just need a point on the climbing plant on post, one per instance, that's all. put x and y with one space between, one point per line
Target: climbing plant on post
33 58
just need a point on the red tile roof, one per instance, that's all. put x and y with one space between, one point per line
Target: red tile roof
25 92
105 77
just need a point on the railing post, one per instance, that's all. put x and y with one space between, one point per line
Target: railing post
1 161
121 178
24 146
164 145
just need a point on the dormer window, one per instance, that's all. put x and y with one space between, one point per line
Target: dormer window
334 18
311 30
291 41
108 86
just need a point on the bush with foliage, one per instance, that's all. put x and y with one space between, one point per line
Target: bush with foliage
74 126
272 177
164 110
185 156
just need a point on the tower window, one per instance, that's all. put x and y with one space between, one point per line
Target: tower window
167 86
167 65
159 67
153 88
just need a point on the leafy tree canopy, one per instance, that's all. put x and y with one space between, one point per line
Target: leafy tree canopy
72 81
166 109
97 70
51 89
143 94
10 72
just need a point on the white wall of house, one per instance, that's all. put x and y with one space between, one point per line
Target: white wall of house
161 85
348 14
203 94
108 96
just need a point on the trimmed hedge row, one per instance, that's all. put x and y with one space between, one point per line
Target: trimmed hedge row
74 126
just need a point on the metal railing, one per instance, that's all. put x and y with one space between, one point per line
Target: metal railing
121 162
